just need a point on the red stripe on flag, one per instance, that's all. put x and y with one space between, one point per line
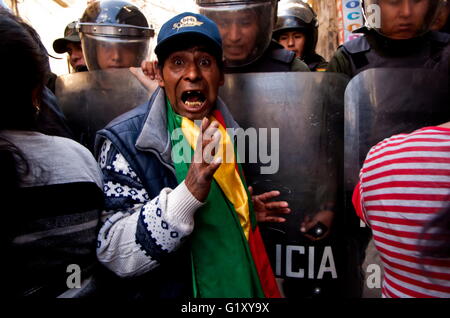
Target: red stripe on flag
265 273
219 117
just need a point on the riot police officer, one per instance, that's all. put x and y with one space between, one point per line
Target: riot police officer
397 34
246 29
71 44
114 34
297 30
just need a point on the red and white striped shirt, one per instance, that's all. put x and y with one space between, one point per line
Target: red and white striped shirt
404 182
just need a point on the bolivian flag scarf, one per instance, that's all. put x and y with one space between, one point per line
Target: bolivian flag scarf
227 253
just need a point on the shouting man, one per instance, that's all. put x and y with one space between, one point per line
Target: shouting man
162 172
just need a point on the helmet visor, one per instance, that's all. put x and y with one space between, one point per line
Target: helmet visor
246 30
103 52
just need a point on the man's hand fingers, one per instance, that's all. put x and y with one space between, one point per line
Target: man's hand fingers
142 77
204 125
212 167
210 146
272 219
277 205
209 133
278 212
268 195
154 67
149 69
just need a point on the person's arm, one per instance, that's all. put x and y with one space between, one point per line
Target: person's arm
358 203
138 231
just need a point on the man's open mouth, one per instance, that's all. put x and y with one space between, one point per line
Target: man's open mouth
194 99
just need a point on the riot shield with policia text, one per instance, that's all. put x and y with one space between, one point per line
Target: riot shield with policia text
90 100
298 120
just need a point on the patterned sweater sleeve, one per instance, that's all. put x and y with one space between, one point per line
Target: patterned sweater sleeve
138 231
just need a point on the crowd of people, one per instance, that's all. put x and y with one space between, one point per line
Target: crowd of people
141 213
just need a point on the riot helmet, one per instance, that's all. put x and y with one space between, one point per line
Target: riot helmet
296 15
114 34
400 19
245 26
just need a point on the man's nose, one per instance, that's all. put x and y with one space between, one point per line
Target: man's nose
405 8
76 55
291 41
193 73
234 32
115 54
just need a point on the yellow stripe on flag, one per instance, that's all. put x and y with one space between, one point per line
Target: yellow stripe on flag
226 175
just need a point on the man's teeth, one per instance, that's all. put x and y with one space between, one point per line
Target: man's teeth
193 104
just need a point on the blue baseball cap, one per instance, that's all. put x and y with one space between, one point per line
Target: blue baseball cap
188 26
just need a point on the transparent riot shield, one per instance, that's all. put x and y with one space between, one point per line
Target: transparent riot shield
298 121
383 102
380 103
90 100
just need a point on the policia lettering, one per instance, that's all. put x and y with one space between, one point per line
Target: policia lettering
285 255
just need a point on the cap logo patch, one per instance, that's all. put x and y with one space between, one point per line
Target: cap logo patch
189 21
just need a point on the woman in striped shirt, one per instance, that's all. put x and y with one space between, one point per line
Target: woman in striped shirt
404 183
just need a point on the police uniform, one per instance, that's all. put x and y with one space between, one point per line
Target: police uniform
295 15
316 63
374 50
274 59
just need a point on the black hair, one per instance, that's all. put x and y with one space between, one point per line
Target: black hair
25 66
24 69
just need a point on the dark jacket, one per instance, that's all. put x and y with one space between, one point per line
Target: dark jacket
142 138
274 59
374 51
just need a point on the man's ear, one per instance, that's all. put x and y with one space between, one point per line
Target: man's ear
159 76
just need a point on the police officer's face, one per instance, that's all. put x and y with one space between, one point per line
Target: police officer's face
114 55
191 79
76 58
402 19
293 41
239 30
